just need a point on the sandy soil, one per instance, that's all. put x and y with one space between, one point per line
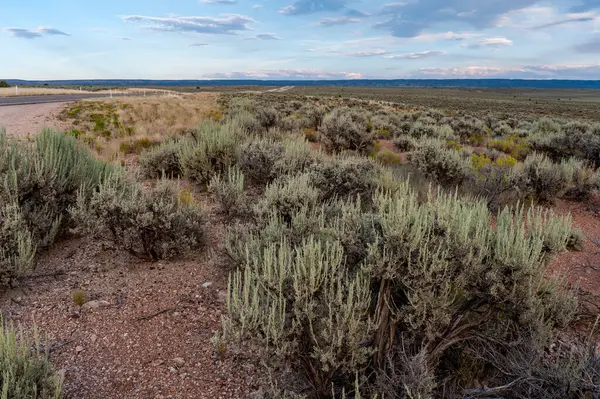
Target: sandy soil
27 120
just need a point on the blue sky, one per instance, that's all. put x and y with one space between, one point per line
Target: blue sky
299 39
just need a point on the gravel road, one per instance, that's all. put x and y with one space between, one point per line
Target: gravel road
25 120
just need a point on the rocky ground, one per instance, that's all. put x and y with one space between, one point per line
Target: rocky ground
27 120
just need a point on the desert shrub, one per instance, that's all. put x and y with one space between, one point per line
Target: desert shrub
405 143
420 130
344 129
314 114
17 246
25 373
439 163
297 157
229 191
3 84
267 117
245 121
136 146
287 196
514 146
436 284
157 223
39 180
468 128
386 125
575 141
546 180
388 157
210 154
163 159
257 158
583 179
499 181
344 177
502 129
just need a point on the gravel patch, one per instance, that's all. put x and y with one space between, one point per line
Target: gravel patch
26 120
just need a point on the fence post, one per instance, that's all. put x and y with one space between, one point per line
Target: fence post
16 90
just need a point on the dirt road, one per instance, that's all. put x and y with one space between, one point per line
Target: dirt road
25 120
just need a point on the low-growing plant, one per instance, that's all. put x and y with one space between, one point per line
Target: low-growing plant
25 373
344 177
344 129
388 157
514 146
154 223
439 163
287 196
257 158
163 159
546 180
405 143
229 191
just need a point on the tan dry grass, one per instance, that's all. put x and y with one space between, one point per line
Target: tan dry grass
151 119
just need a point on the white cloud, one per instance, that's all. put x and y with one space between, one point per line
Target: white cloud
41 31
264 36
416 56
367 53
492 42
303 7
432 37
327 22
257 6
227 25
198 44
218 1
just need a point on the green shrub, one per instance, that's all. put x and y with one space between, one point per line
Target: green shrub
297 157
388 157
39 181
435 284
583 179
267 117
136 146
25 373
344 177
344 129
514 146
257 159
162 160
546 180
405 143
443 165
213 152
287 196
3 84
156 223
229 191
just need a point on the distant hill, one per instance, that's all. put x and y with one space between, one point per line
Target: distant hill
480 83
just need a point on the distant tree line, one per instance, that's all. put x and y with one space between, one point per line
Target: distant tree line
4 84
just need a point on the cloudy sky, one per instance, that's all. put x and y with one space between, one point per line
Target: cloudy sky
299 39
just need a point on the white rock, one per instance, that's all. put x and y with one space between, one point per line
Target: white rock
79 349
207 284
179 361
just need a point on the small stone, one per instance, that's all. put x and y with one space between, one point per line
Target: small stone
93 338
179 361
176 314
207 284
96 304
172 370
17 300
79 349
158 362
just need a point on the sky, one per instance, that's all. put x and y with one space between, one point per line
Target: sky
299 39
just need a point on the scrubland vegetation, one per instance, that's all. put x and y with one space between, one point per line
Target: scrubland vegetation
374 250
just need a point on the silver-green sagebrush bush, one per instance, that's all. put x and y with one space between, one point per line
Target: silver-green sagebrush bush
346 129
403 295
286 196
229 191
163 160
39 181
345 176
443 165
25 374
157 223
213 151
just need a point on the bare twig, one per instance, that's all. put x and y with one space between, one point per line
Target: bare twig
479 393
153 315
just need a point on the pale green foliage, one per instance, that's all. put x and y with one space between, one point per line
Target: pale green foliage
346 129
439 163
162 160
155 223
229 191
25 374
212 153
405 143
435 273
546 179
257 158
344 177
287 196
17 246
39 180
583 179
304 309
